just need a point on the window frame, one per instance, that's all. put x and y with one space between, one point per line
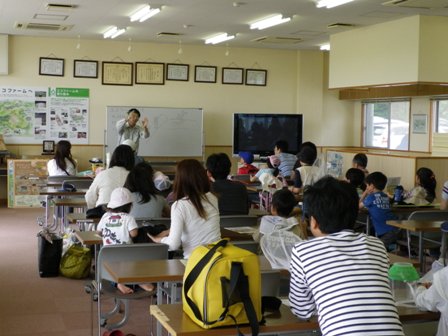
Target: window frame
365 124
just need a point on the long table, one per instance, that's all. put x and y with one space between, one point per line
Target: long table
420 227
177 323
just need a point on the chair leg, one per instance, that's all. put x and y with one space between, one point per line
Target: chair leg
408 237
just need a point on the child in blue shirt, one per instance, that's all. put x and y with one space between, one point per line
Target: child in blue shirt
378 204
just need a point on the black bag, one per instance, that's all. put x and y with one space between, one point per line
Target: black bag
49 254
96 212
153 230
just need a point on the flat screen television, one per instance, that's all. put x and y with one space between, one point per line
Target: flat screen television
258 133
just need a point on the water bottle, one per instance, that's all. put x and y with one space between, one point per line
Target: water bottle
398 194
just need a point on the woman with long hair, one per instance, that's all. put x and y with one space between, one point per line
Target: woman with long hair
98 195
194 214
147 202
62 162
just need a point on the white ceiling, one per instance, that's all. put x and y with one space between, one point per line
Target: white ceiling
196 20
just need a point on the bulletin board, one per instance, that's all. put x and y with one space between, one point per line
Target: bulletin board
174 132
26 178
29 115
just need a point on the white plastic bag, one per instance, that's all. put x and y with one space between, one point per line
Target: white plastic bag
277 246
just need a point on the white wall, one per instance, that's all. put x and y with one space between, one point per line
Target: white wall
296 83
379 54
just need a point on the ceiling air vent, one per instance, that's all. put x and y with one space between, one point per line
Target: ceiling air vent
167 34
60 7
43 26
424 4
277 40
340 25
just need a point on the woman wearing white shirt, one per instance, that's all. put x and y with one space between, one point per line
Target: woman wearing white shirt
194 214
62 162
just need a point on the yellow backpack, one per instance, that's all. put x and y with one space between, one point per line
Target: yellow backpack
222 286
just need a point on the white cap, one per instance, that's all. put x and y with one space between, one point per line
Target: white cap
161 181
119 197
130 143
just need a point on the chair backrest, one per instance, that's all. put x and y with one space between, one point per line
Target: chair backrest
435 215
78 183
249 245
128 252
238 220
432 215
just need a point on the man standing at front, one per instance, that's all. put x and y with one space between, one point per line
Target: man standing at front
129 129
341 275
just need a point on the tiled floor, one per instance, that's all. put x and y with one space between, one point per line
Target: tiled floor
30 305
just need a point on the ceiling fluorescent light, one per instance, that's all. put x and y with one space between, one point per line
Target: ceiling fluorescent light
325 46
331 3
269 22
151 13
219 38
144 13
118 33
108 33
140 13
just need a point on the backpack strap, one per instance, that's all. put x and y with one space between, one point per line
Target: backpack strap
239 280
194 274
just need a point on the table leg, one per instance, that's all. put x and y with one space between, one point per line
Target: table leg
420 252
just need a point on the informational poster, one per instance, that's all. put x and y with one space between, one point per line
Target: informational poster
31 115
26 178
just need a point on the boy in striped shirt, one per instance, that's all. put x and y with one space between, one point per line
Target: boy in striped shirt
340 275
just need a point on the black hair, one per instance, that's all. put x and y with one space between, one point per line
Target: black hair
140 179
284 202
307 155
332 203
134 110
123 156
378 179
282 145
276 170
360 159
218 165
63 151
427 181
123 208
356 177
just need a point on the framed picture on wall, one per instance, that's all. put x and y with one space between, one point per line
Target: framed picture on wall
256 77
51 66
232 75
205 74
419 123
85 69
177 72
149 73
117 73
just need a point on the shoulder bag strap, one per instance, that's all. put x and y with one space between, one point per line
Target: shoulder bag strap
194 274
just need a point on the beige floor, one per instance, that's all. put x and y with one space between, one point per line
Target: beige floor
30 305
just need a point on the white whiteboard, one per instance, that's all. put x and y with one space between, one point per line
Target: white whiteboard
173 131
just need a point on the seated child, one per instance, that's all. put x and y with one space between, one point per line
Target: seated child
378 204
246 159
341 276
356 177
305 174
268 176
360 161
283 202
435 298
118 227
424 191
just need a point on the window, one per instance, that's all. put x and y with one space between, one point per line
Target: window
386 124
440 116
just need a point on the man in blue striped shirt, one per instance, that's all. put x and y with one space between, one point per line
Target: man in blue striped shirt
340 275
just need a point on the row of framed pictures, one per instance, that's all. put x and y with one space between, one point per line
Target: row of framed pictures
122 73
